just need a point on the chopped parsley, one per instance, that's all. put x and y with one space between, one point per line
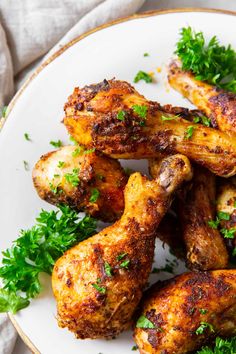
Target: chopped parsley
121 115
221 346
125 264
146 55
214 223
203 327
108 269
78 151
140 110
26 165
121 256
164 118
53 188
135 347
60 164
143 322
94 195
4 111
210 62
142 75
223 216
36 251
203 311
73 140
189 132
56 144
101 289
228 233
73 177
202 119
89 151
27 137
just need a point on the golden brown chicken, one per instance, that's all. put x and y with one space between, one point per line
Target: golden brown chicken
85 180
218 105
196 208
226 208
98 283
113 117
186 312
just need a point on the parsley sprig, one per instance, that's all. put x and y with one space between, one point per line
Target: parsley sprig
222 346
36 251
210 62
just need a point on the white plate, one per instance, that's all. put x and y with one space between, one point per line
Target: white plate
115 51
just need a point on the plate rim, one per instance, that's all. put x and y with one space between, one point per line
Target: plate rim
13 101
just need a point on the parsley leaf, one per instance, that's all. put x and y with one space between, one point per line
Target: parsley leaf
210 61
108 269
26 136
121 115
203 327
222 346
135 347
11 302
125 264
203 311
60 164
146 55
94 195
189 132
223 216
140 110
56 144
142 75
37 249
228 233
121 256
73 177
214 223
99 288
143 322
168 118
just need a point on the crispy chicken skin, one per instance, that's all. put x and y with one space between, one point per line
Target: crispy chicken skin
94 171
93 302
205 246
91 118
218 105
226 202
178 309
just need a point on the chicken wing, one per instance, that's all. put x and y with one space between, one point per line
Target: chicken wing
218 105
186 312
85 180
113 117
98 283
196 207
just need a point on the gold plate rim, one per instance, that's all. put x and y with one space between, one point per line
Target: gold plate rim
23 336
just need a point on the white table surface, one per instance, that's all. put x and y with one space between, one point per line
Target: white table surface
20 347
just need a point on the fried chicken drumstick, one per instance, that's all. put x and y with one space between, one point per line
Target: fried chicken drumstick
187 311
98 283
115 119
84 180
219 105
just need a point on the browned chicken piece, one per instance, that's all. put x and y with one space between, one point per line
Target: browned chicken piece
219 105
113 117
204 245
226 203
98 283
84 180
186 312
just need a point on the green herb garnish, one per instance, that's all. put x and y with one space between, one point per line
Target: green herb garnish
53 188
26 165
189 132
26 136
228 233
140 110
121 256
121 115
73 177
73 140
142 75
99 288
204 120
94 195
221 346
214 223
143 322
164 118
125 264
108 269
135 347
210 61
36 251
223 216
4 111
203 327
146 55
56 144
203 311
61 164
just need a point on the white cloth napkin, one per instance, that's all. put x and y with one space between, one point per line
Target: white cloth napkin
30 30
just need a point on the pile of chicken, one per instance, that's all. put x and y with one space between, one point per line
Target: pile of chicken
99 283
